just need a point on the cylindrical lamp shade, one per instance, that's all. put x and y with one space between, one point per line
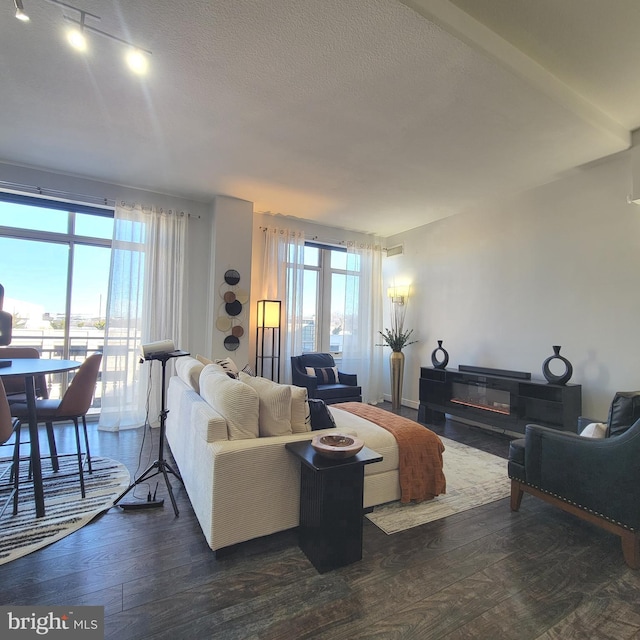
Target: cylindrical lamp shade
268 339
269 314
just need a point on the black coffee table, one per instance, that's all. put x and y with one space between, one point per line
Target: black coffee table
330 532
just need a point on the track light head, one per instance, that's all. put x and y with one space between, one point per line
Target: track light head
77 40
137 61
20 13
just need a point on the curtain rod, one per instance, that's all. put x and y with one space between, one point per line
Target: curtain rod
56 193
338 243
82 198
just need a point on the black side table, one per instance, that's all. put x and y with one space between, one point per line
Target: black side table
330 532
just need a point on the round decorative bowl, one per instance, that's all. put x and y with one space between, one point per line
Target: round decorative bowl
337 445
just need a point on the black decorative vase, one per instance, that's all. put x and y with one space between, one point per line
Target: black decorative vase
553 378
439 364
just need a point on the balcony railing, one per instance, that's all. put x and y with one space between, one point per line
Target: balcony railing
51 344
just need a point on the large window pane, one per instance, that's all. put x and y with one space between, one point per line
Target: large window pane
94 226
310 311
62 314
33 218
34 276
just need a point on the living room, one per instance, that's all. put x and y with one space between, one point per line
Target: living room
520 267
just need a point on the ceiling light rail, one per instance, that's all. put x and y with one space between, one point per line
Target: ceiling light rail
136 58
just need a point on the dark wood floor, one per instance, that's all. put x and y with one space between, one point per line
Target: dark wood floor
486 573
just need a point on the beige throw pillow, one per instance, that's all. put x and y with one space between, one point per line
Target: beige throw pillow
235 401
275 405
300 414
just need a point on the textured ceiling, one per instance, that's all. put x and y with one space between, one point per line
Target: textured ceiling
373 115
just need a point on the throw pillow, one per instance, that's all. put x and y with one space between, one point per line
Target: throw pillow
227 364
300 416
325 375
248 369
595 430
275 405
321 417
235 401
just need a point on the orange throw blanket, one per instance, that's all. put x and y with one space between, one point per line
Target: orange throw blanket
420 451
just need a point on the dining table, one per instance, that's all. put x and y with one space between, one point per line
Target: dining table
29 368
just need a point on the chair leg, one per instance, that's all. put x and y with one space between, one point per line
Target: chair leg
86 444
79 449
631 549
52 446
516 495
16 468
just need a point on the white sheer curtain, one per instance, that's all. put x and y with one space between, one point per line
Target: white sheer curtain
145 304
283 279
363 312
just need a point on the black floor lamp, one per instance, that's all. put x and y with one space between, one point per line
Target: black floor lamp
268 339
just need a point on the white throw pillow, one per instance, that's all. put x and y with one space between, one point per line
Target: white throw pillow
275 405
595 430
300 414
234 400
227 364
188 369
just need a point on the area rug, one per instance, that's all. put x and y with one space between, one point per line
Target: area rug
66 510
473 478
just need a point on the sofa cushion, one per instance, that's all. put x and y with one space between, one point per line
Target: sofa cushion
275 405
188 369
325 375
234 400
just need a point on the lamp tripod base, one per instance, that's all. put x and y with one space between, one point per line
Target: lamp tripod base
159 466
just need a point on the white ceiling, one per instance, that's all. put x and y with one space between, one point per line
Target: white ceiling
372 115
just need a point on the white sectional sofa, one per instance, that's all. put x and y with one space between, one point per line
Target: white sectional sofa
246 486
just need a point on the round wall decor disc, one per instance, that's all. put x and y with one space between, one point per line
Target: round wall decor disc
223 324
237 331
233 308
231 276
242 296
229 296
231 343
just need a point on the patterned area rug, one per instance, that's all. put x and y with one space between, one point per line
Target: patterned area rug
66 510
473 478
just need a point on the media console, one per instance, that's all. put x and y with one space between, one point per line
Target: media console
506 400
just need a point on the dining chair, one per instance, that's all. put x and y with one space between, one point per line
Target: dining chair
16 394
73 406
8 426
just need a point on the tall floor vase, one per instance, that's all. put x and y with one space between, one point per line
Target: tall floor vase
396 362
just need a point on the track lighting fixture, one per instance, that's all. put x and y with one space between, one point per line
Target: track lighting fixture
20 14
136 57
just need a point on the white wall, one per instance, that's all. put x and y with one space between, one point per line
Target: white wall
231 244
500 285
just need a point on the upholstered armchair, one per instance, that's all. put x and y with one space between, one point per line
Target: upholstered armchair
319 374
596 479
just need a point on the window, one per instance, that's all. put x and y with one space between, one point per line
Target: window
328 297
54 266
